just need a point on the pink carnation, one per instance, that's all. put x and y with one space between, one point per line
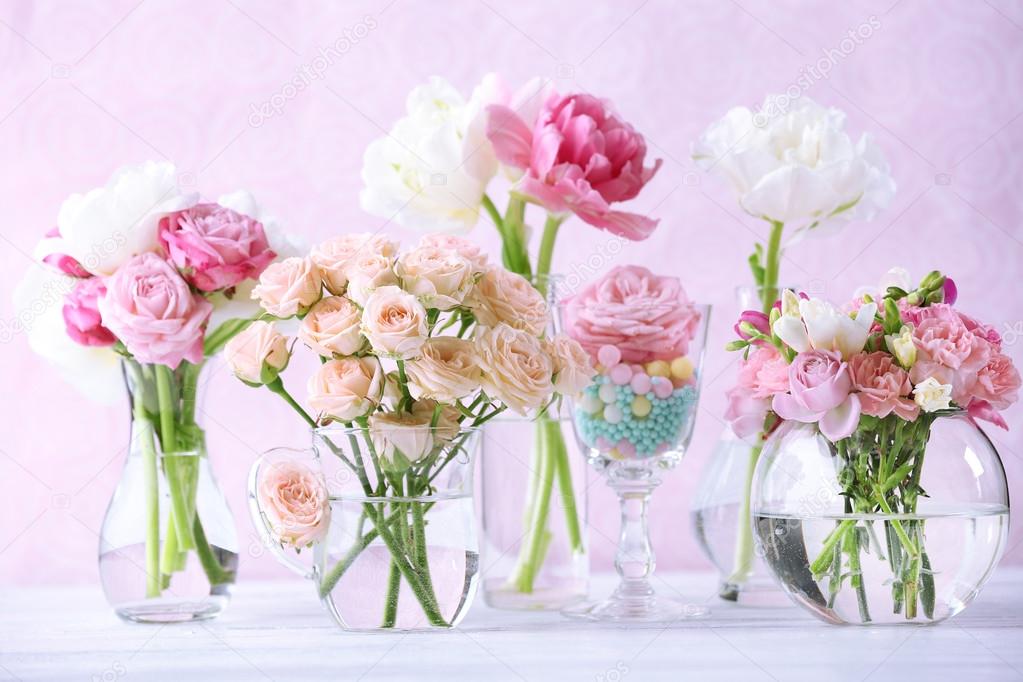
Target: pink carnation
215 247
579 157
997 382
883 386
946 349
81 314
153 312
63 262
645 316
764 372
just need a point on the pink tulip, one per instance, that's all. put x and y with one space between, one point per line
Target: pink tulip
579 157
81 314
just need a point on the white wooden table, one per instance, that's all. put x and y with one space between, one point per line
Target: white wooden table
277 631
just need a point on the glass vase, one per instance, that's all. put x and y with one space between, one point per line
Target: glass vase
719 514
903 522
168 546
400 549
634 424
534 487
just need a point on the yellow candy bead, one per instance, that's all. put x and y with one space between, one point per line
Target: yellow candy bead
641 406
682 368
658 368
615 454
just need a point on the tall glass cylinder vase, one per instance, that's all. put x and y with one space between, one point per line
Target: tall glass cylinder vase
720 512
168 546
534 482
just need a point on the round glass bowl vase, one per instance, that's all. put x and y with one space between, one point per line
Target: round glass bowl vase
877 530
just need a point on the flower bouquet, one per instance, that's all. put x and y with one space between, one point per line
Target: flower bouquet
418 349
857 400
150 276
793 165
570 155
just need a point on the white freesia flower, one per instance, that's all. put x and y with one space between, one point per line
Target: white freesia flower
902 346
895 277
39 301
431 170
107 226
799 167
932 395
821 326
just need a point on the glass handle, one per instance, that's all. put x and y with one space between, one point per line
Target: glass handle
265 528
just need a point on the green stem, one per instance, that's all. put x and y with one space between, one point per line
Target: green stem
823 561
215 573
152 478
743 559
277 386
171 557
391 598
176 469
514 237
537 535
772 262
543 263
563 474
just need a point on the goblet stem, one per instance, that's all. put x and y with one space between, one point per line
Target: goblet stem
635 559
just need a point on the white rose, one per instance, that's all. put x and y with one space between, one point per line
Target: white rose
440 278
932 395
400 438
367 273
394 321
797 166
108 225
424 173
447 369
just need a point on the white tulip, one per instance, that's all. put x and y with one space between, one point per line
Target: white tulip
431 170
799 168
107 226
95 371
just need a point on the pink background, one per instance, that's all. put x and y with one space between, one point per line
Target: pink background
86 87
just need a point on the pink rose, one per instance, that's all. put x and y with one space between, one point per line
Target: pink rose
460 245
257 354
447 369
503 297
346 388
150 308
401 438
744 413
288 287
997 382
883 386
579 157
820 388
395 323
947 350
516 370
334 256
295 501
645 316
333 326
764 372
81 314
215 247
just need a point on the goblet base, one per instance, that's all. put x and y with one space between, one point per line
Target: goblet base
623 610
